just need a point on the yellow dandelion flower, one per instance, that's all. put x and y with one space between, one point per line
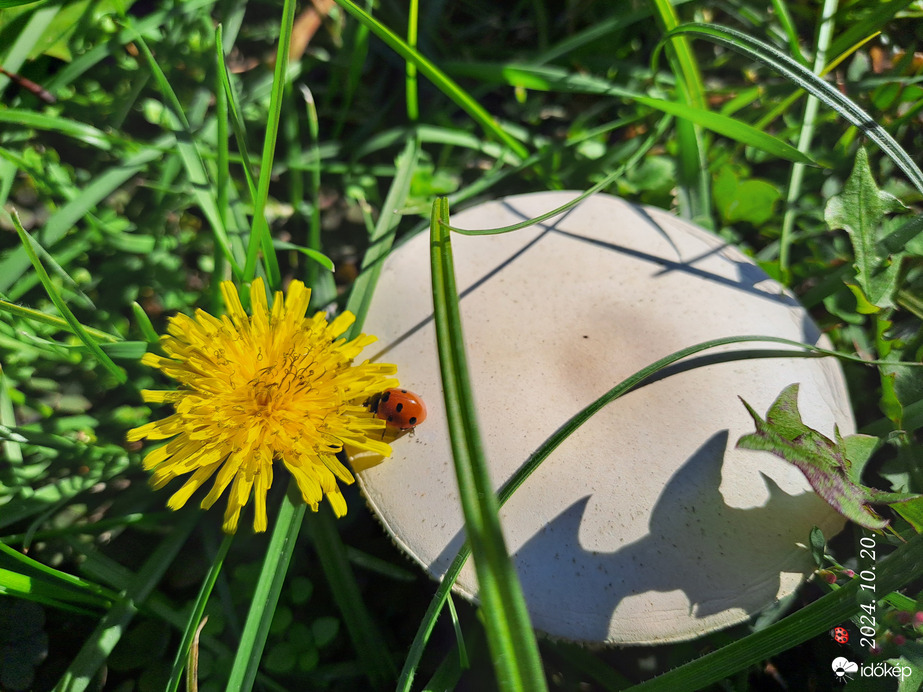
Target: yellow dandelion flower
274 385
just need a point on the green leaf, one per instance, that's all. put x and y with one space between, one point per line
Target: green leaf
912 512
901 384
318 257
833 468
860 210
818 546
750 200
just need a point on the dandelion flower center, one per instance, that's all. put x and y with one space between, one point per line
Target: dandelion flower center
274 385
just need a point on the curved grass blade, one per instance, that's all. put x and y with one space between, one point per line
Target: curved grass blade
807 80
560 80
503 607
77 589
81 132
616 174
533 462
26 588
458 95
319 257
53 320
78 329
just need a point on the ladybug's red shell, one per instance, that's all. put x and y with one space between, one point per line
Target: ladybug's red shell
399 408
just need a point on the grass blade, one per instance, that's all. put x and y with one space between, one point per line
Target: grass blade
80 132
695 179
382 236
259 231
202 188
237 122
557 79
76 328
509 631
266 594
805 136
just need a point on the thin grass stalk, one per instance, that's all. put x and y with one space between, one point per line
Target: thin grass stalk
260 238
237 123
222 174
509 632
412 96
314 181
805 136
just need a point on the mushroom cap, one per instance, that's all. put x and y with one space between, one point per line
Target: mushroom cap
646 525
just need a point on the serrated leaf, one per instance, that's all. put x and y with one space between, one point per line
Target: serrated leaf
833 468
860 210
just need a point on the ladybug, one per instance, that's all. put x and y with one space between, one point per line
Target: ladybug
840 635
399 408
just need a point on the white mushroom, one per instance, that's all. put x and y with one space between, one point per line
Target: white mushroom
646 525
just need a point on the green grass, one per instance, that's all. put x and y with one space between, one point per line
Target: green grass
184 149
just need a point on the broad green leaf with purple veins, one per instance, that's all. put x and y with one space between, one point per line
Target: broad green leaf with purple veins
860 210
832 467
